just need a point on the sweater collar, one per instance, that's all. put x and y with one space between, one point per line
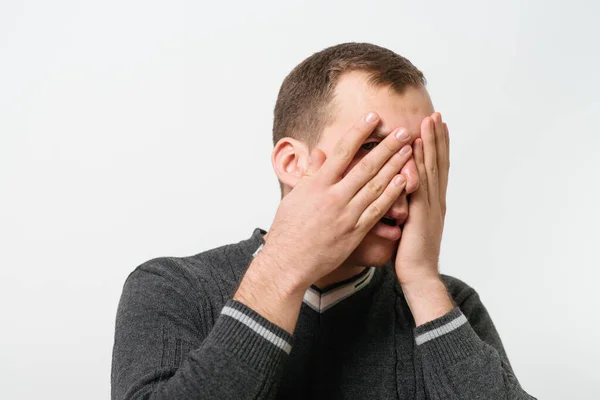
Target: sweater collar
321 300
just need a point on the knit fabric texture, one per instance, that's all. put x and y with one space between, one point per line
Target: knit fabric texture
179 335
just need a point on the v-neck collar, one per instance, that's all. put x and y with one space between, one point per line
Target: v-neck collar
321 300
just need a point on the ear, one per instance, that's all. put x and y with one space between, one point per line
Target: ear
290 159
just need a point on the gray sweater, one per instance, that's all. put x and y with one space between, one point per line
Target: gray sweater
179 335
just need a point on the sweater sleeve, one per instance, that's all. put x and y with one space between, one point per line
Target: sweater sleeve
463 358
166 348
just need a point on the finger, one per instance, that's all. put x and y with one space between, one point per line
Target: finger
317 158
375 187
382 204
347 146
410 172
369 165
442 156
418 204
421 194
440 140
445 178
444 167
431 165
447 134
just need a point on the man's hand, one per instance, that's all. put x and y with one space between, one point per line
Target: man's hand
325 217
418 253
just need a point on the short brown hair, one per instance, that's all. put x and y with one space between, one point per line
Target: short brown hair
303 106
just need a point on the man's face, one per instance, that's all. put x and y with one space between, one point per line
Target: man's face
354 98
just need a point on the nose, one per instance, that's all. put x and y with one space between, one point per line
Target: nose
399 209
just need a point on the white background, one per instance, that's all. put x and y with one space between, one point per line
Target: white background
136 129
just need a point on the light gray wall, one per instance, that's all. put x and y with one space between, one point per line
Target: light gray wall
135 129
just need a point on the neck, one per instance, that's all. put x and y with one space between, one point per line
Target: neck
341 273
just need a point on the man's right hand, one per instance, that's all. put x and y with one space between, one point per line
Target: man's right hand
329 212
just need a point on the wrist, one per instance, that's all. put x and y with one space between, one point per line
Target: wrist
418 275
272 293
421 281
270 265
427 298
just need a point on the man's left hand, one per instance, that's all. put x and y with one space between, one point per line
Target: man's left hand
416 261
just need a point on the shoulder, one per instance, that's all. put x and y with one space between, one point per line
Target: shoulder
213 272
200 265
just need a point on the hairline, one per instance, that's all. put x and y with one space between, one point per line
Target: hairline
332 105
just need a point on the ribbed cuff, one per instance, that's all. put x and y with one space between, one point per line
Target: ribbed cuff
245 333
447 339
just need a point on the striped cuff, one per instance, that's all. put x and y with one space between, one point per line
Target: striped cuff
448 339
248 335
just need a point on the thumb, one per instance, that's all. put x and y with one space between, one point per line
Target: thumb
316 160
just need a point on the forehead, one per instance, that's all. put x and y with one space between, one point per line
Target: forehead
354 97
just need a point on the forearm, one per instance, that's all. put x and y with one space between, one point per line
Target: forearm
241 358
457 363
272 290
167 347
427 298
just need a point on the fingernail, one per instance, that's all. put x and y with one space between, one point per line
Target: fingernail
405 149
402 134
371 117
399 180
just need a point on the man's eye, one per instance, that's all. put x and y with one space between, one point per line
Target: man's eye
369 146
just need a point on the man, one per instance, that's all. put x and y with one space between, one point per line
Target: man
342 298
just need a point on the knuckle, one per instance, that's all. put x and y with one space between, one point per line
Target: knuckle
367 167
375 210
389 147
398 160
432 169
342 152
334 197
422 181
374 187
